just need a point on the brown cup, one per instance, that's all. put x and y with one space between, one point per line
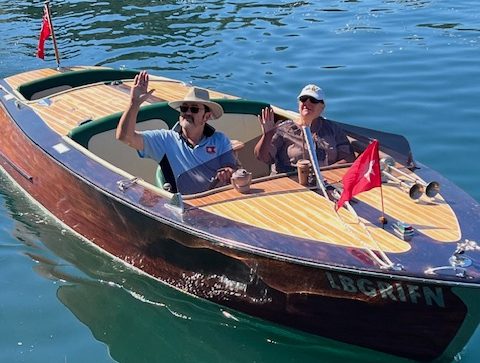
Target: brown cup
303 169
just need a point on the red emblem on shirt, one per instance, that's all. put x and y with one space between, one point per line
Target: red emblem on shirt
211 149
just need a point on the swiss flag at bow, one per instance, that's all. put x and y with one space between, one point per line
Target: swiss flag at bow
363 175
44 34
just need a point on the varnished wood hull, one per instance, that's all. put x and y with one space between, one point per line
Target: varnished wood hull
338 294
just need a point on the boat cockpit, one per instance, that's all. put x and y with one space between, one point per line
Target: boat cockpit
85 105
239 123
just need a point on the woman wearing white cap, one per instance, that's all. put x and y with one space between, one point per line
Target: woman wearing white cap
283 145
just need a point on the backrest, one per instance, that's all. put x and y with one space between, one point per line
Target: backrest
239 122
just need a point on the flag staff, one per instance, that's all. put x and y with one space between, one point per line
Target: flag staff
54 39
382 219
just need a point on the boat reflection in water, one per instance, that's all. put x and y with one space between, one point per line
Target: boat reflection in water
142 320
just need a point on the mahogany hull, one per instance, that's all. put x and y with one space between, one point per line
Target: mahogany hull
368 311
385 311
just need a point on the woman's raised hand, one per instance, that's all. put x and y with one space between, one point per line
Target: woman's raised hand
267 120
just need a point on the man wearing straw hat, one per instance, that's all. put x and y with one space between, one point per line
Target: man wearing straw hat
198 156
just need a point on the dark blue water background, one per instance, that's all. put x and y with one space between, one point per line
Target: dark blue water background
403 66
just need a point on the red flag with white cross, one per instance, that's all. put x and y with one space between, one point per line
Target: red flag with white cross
363 175
45 33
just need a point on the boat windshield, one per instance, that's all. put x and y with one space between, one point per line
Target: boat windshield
395 145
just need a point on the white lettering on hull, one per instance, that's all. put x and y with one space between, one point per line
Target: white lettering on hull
405 293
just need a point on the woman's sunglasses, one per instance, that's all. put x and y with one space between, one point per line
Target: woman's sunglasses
193 109
304 99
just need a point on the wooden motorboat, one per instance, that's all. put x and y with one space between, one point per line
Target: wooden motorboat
276 250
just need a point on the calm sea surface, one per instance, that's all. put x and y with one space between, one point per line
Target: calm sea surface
403 66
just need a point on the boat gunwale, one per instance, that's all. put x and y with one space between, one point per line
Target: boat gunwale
241 247
210 237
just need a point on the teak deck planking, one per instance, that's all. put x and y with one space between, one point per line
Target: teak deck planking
273 205
276 205
66 110
18 79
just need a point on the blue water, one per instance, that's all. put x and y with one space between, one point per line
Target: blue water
403 66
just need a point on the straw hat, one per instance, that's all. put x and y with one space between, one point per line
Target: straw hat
199 95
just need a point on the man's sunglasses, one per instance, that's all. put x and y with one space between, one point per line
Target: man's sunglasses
304 99
193 109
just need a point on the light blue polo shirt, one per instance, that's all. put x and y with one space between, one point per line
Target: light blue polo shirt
194 167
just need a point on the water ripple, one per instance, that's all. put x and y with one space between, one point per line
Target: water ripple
403 66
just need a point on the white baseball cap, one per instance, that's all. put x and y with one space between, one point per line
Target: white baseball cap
313 91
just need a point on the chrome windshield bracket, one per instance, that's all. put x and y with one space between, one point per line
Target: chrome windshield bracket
176 203
307 134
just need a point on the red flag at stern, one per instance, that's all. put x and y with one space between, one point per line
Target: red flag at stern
45 32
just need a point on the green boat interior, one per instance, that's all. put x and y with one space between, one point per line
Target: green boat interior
239 123
47 86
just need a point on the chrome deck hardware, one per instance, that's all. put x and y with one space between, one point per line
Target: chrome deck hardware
458 261
123 185
176 203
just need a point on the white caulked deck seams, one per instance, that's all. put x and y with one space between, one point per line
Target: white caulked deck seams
307 217
438 216
61 224
253 212
289 218
260 212
97 99
441 225
393 197
54 117
226 211
321 213
381 239
70 108
393 204
100 100
397 203
17 80
318 216
113 96
73 106
270 212
277 213
62 111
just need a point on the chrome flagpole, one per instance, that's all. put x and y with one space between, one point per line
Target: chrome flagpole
382 259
